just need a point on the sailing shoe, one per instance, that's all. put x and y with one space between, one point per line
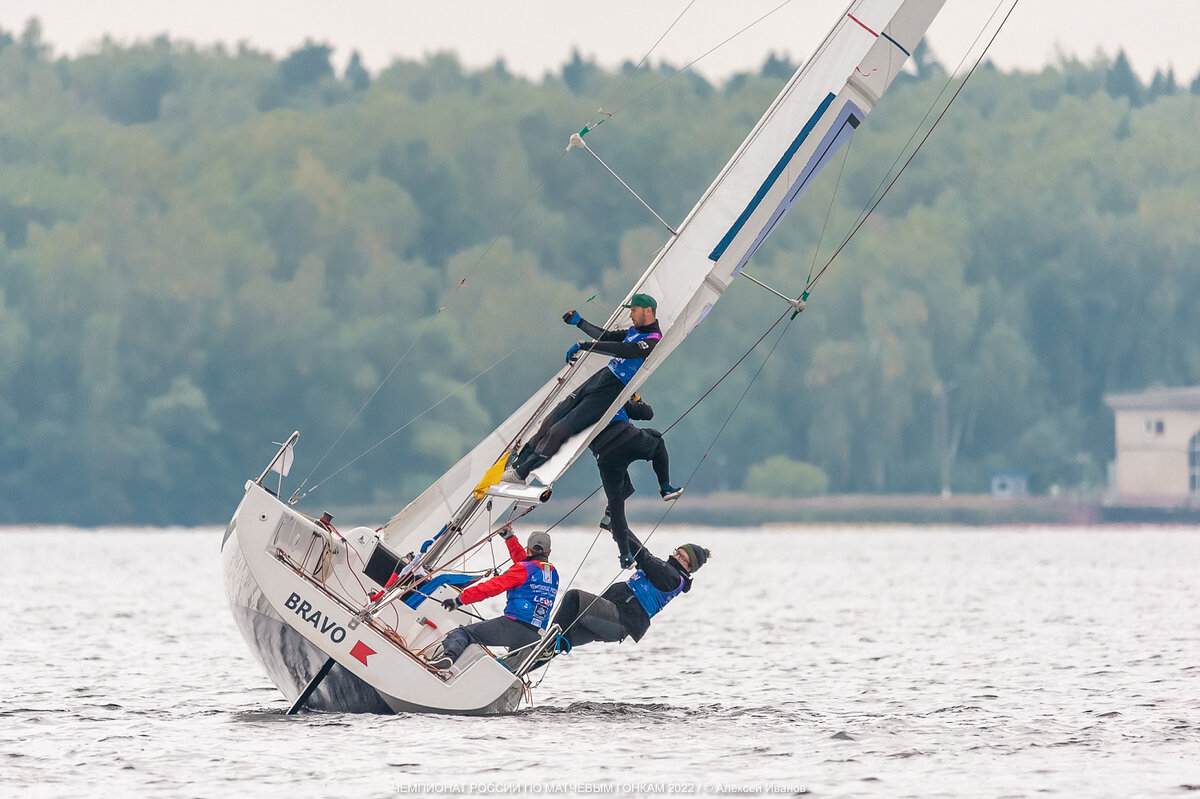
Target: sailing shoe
561 647
626 560
437 658
669 493
510 476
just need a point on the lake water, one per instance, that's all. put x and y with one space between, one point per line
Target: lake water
856 662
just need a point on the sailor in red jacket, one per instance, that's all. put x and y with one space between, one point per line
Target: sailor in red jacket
532 585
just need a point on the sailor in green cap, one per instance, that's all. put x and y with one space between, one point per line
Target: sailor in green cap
584 406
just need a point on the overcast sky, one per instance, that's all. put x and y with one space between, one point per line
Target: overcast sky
538 35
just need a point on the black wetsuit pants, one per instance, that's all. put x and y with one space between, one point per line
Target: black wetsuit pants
583 407
585 618
501 631
647 445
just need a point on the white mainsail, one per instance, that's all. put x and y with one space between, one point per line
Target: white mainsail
808 122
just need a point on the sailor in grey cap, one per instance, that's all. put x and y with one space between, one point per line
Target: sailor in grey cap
532 585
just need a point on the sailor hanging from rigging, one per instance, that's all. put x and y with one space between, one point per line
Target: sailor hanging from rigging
616 447
584 406
625 609
532 585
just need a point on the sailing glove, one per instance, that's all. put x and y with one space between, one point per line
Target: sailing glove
573 353
572 317
506 532
452 603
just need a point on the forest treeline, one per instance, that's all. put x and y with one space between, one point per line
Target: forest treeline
204 249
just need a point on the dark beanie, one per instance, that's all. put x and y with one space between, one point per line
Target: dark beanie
697 555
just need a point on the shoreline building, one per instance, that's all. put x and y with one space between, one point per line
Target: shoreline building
1158 449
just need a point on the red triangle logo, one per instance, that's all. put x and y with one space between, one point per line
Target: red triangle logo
361 651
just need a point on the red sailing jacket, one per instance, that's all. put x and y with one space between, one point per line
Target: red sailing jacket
515 577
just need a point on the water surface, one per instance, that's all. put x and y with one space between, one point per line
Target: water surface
840 661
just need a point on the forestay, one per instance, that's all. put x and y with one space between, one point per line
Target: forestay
808 122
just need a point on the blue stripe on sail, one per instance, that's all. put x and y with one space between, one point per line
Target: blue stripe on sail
843 126
716 254
893 41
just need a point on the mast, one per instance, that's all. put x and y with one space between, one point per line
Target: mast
814 115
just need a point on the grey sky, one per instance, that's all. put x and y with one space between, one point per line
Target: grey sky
535 35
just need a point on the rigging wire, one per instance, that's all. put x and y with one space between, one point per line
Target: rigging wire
829 211
699 463
810 283
580 504
937 100
728 372
551 169
420 335
603 117
690 408
873 204
925 138
694 61
300 493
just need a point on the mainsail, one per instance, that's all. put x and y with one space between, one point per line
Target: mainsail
813 116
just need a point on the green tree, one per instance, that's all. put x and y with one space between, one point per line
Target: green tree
305 66
1162 85
356 74
777 68
779 476
186 276
1123 82
578 74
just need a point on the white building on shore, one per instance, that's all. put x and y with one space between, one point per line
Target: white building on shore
1158 448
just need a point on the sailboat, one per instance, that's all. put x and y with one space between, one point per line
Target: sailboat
339 620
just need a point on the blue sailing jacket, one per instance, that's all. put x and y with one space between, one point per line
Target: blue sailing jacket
651 599
624 368
531 601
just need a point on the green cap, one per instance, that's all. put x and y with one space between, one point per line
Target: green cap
641 301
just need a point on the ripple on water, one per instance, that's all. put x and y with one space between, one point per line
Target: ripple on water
594 710
916 663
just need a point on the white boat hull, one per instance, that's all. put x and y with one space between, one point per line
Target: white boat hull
294 620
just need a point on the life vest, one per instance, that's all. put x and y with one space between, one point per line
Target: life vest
651 599
624 368
532 600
